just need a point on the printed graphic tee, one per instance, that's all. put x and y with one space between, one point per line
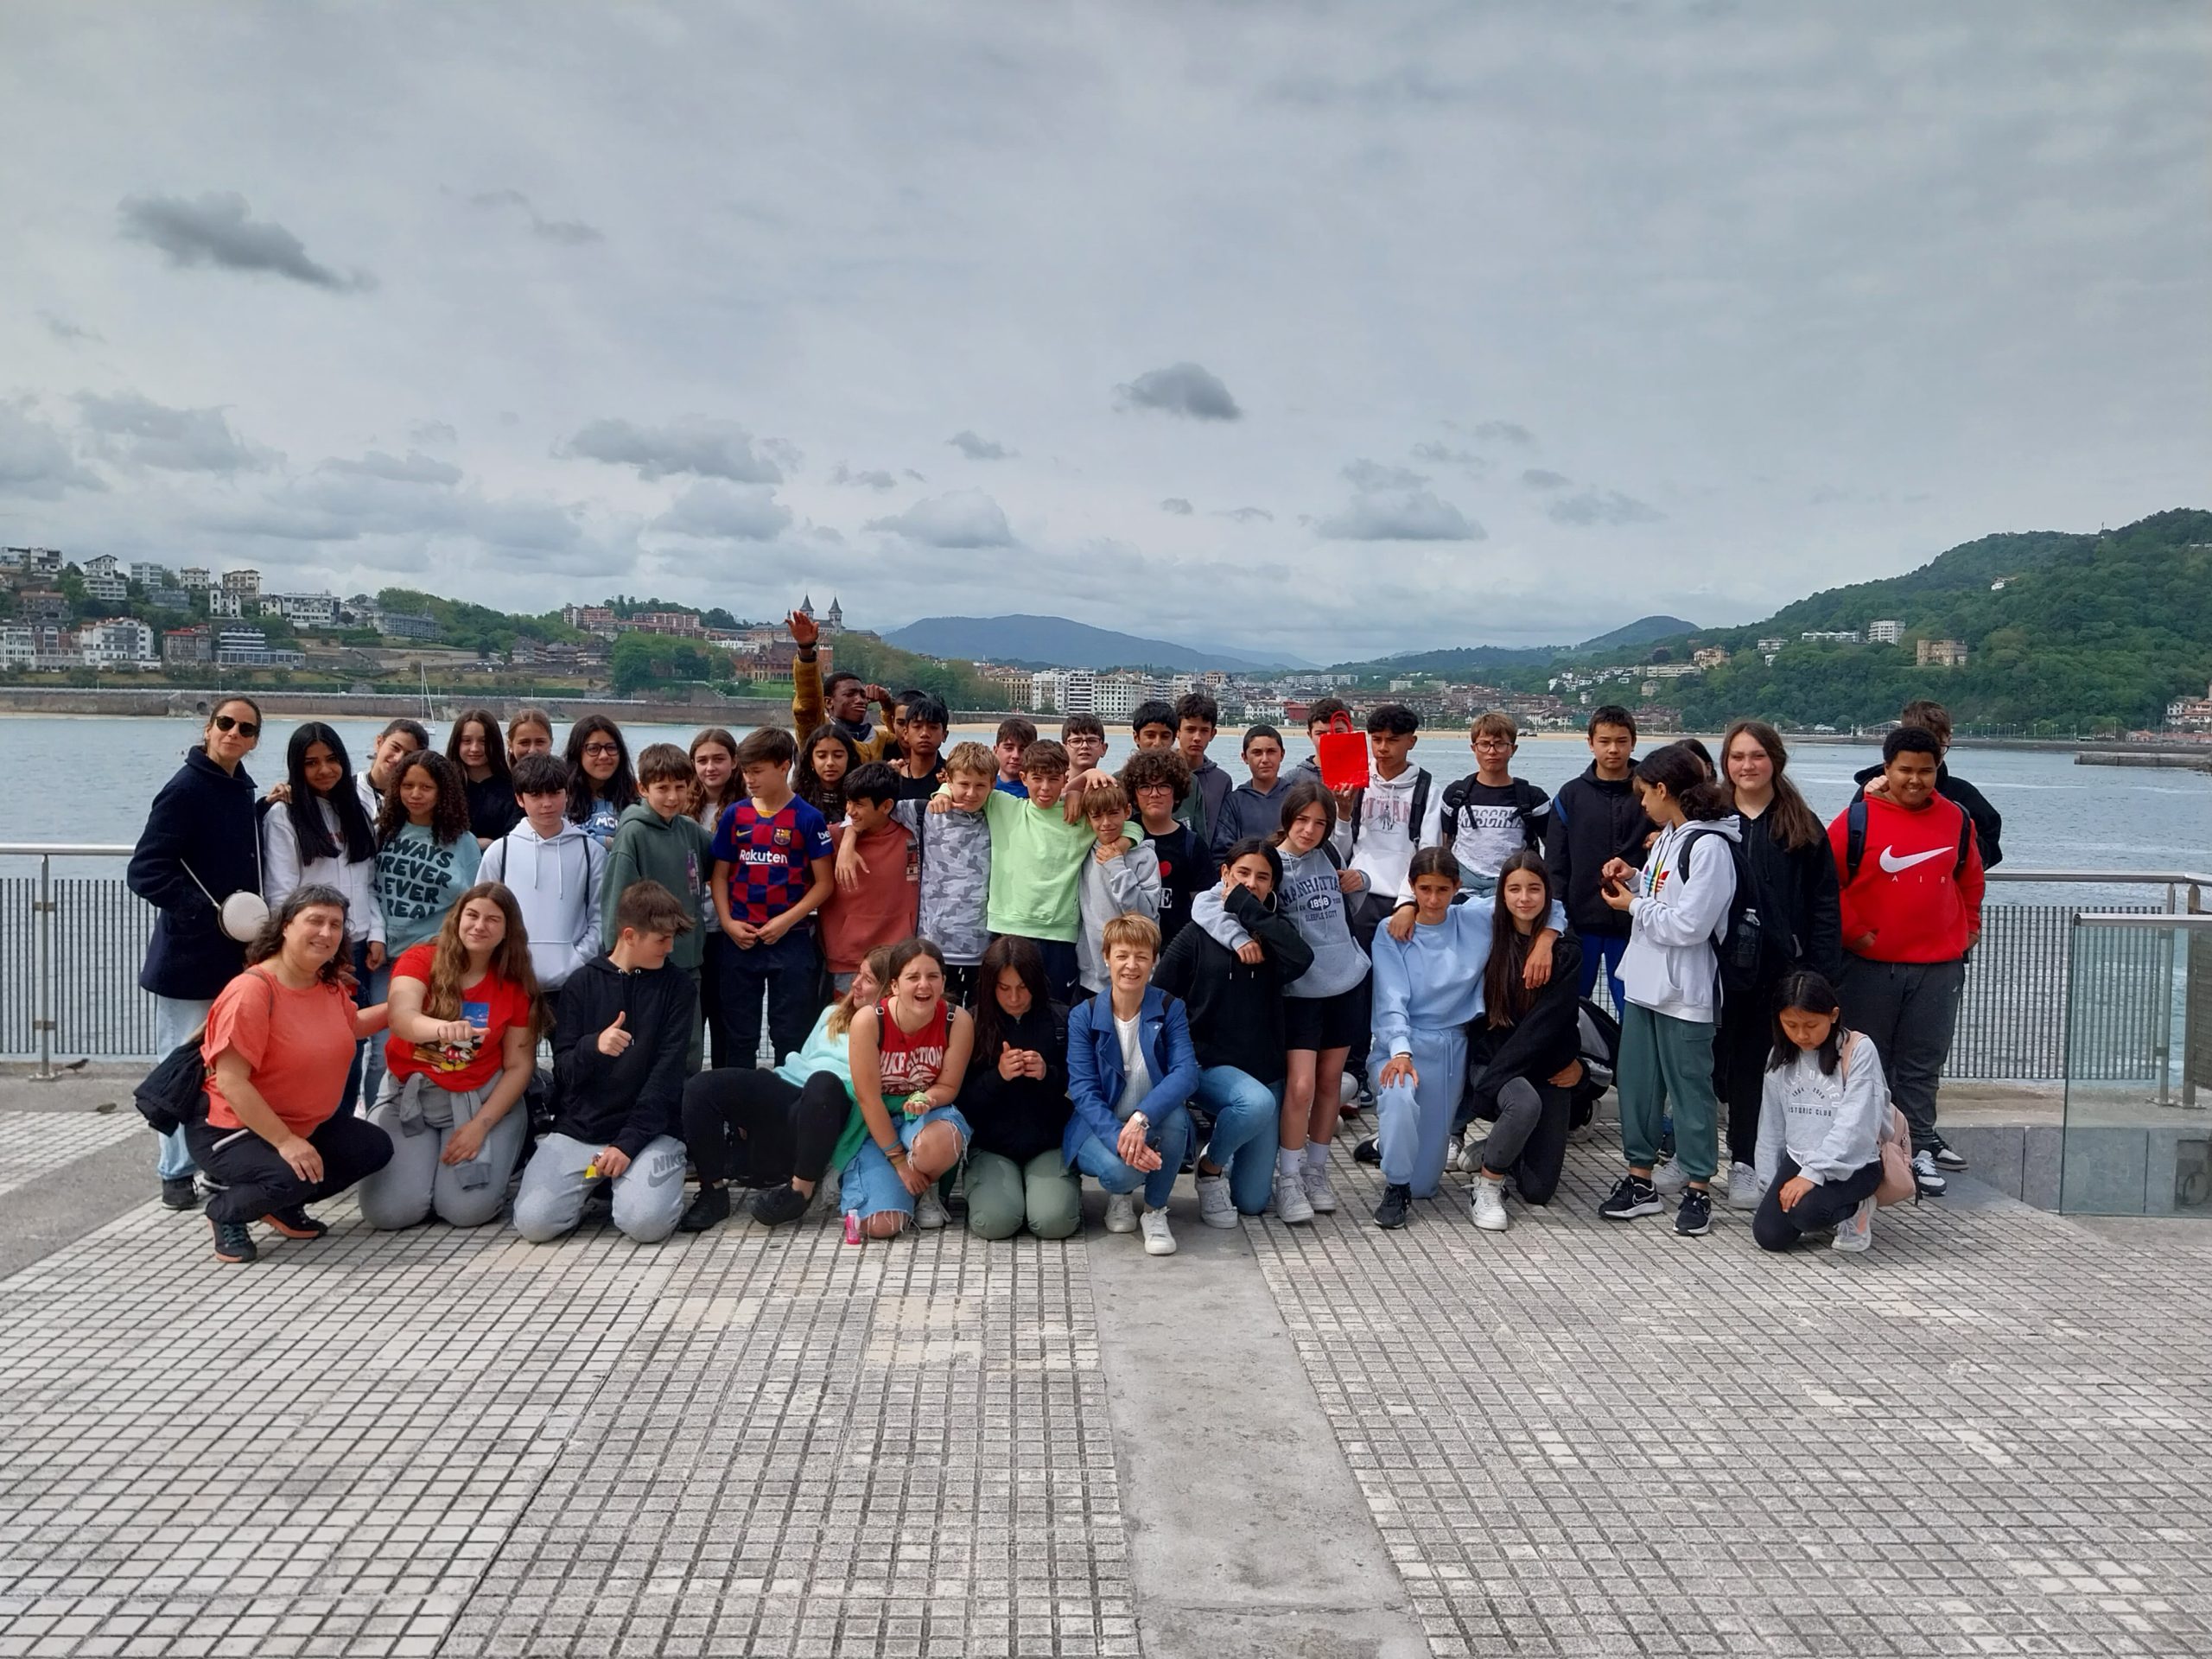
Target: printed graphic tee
494 1005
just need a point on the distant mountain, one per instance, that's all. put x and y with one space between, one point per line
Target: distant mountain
1053 641
1641 632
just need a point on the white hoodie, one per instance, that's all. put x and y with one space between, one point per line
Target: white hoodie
1381 846
1830 1124
1677 914
556 884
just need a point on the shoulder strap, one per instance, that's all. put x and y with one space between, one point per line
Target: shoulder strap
1335 857
1855 837
1525 803
1966 842
1421 782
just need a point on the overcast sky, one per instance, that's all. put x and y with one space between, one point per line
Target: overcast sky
1344 328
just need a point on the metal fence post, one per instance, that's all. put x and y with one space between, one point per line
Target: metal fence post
42 1009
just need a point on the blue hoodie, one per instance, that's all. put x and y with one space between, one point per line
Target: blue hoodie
1433 981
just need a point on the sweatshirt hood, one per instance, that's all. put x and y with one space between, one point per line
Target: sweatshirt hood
638 812
1732 826
571 834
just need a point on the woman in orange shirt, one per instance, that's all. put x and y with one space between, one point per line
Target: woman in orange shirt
278 1043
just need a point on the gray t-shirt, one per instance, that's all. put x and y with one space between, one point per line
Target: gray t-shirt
955 879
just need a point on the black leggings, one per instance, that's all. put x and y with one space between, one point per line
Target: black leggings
256 1181
1741 1049
785 1129
1777 1228
1530 1138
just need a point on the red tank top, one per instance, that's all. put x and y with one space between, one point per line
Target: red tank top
910 1061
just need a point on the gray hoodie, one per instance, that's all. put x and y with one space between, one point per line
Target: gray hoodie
556 883
1311 897
1130 882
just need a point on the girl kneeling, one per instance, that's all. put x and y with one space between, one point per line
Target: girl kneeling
1820 1151
909 1053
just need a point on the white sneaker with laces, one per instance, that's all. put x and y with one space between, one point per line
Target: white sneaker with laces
1744 1189
1216 1207
1488 1208
1318 1192
929 1211
1670 1177
1159 1238
1291 1202
1927 1177
1856 1232
1121 1212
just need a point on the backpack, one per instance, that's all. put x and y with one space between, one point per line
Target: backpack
1601 1046
1854 839
1421 782
1528 802
1896 1141
1740 947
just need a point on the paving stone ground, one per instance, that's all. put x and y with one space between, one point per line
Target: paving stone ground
1989 1436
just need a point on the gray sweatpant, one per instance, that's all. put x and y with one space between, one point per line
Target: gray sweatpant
648 1196
417 1183
1910 1009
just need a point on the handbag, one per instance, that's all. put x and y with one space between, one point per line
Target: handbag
241 915
1341 754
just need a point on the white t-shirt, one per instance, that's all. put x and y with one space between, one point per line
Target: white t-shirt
1139 1076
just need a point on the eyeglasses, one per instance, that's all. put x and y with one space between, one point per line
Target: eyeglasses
602 748
244 728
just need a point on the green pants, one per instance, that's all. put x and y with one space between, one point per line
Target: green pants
1666 1061
1002 1195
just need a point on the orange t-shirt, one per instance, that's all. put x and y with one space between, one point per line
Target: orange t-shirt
494 1005
296 1044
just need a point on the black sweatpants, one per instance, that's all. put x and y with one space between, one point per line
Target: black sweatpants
256 1181
1529 1142
1741 1049
1777 1228
753 1126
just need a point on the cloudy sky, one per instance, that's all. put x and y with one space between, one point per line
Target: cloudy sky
1342 328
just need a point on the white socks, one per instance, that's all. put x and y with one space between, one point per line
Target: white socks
1289 1160
1317 1154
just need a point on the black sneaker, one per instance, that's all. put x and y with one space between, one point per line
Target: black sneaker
774 1205
709 1209
1396 1201
1947 1159
1368 1151
1634 1196
232 1242
180 1193
1695 1219
294 1222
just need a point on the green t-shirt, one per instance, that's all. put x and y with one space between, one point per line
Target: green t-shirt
1036 857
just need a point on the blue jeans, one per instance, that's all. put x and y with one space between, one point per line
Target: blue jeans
175 1017
1247 1118
1098 1159
1605 951
375 988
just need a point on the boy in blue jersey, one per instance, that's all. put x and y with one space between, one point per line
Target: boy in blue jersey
771 855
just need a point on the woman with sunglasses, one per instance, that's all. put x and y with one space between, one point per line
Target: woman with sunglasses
202 843
601 787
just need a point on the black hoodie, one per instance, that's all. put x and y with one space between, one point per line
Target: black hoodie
623 1100
1017 1118
1236 1006
1593 820
1988 822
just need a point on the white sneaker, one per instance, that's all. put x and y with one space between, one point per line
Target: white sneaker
1670 1179
1158 1240
1453 1153
929 1211
1216 1207
1121 1212
1489 1209
1318 1192
1291 1202
1925 1176
1856 1232
1744 1189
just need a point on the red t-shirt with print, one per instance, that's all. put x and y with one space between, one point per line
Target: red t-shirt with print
494 1005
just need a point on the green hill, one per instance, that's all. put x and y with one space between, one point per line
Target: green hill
1645 630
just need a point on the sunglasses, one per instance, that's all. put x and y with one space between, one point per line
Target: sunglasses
244 728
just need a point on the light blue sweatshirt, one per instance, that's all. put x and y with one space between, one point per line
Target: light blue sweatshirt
1311 897
820 1053
1433 981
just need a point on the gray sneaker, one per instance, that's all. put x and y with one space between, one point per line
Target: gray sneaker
1928 1178
1744 1189
929 1211
1121 1212
1670 1177
1216 1208
1855 1232
1318 1192
1291 1203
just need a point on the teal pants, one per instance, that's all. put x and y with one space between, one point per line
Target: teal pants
1002 1195
1665 1061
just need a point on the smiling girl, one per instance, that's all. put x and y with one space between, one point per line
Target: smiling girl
426 858
475 748
601 787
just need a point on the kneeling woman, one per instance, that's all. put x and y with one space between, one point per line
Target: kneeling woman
909 1054
465 1019
777 1130
1821 1120
1429 965
278 1042
1015 1098
1528 1046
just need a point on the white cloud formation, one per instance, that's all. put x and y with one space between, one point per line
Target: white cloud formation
569 233
1603 507
978 449
1375 475
1176 504
706 448
136 431
963 518
35 460
723 513
1401 515
875 479
1542 478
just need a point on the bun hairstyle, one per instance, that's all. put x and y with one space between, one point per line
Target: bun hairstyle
1676 769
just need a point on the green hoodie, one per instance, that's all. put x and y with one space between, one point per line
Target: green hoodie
672 851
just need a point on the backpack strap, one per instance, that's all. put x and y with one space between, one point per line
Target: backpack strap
1358 801
1855 837
1966 842
1421 782
1530 809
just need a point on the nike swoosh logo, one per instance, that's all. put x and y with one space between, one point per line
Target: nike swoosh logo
1893 864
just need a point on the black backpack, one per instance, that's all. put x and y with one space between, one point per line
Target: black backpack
1854 839
1741 947
174 1092
1422 781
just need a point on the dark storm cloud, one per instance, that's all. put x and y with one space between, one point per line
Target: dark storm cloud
216 230
694 445
979 448
1183 389
1603 507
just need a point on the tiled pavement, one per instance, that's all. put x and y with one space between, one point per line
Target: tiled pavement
1988 1437
35 1143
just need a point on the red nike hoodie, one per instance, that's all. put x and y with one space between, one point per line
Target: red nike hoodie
1909 892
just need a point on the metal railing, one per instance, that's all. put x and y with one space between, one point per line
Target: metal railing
70 948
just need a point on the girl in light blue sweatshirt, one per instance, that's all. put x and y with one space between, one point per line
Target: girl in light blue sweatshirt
1428 988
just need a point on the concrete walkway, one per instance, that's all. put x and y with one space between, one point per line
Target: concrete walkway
1985 1438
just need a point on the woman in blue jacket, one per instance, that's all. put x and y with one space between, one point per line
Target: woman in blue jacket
1131 1071
201 844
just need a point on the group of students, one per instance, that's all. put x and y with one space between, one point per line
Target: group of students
1008 967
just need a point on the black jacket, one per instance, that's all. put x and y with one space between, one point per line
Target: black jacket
626 1100
1796 892
492 808
1538 1046
1988 822
205 818
1019 1118
1235 1007
1593 820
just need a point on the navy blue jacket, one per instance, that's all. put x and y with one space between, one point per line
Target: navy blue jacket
1096 1075
205 818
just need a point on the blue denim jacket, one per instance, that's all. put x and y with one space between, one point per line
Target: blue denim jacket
1096 1077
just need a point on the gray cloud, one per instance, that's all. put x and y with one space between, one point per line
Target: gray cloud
1539 478
1603 507
431 432
35 460
139 432
214 230
1182 389
1246 515
414 467
570 232
1401 516
1504 432
876 480
68 332
977 449
1443 455
963 518
1374 475
695 445
1177 505
719 511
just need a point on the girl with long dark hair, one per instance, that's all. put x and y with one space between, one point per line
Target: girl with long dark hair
1016 1099
1821 1123
601 787
826 759
476 748
426 858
